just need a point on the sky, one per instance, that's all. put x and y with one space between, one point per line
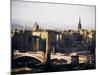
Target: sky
53 15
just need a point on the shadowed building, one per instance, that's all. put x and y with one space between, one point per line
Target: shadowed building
22 40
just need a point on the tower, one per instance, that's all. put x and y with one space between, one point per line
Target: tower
36 27
79 24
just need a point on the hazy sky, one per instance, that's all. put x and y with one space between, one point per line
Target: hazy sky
53 16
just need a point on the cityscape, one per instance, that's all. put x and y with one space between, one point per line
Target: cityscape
39 50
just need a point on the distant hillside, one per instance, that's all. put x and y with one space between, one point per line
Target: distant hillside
16 26
20 27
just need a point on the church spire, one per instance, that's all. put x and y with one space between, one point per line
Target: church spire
79 24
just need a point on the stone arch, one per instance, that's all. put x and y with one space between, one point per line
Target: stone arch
25 61
34 57
55 60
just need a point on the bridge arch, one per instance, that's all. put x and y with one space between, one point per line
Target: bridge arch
56 60
30 56
25 61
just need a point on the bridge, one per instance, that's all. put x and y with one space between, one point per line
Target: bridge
41 56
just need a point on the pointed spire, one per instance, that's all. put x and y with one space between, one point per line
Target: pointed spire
79 24
79 20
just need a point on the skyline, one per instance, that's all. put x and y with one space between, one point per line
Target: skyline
53 16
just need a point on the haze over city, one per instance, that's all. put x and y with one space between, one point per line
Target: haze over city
53 16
